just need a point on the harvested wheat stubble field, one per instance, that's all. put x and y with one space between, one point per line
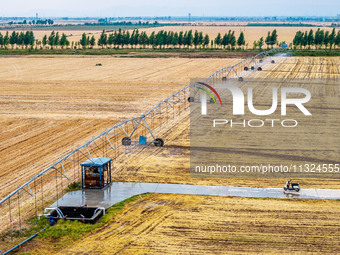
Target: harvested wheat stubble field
50 106
152 164
167 164
182 224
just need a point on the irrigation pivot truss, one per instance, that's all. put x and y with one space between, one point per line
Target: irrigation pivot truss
244 65
225 73
33 196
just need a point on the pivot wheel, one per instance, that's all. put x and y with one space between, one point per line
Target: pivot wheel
273 61
246 68
240 79
259 68
126 141
191 99
159 142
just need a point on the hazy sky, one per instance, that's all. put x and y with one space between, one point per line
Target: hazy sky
111 8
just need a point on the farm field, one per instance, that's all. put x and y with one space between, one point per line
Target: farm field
184 224
152 164
50 106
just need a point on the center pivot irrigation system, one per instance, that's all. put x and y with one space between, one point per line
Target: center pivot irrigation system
30 199
226 73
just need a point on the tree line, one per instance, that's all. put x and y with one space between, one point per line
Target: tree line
166 39
122 38
162 39
33 22
229 39
15 38
270 40
54 39
27 38
319 39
